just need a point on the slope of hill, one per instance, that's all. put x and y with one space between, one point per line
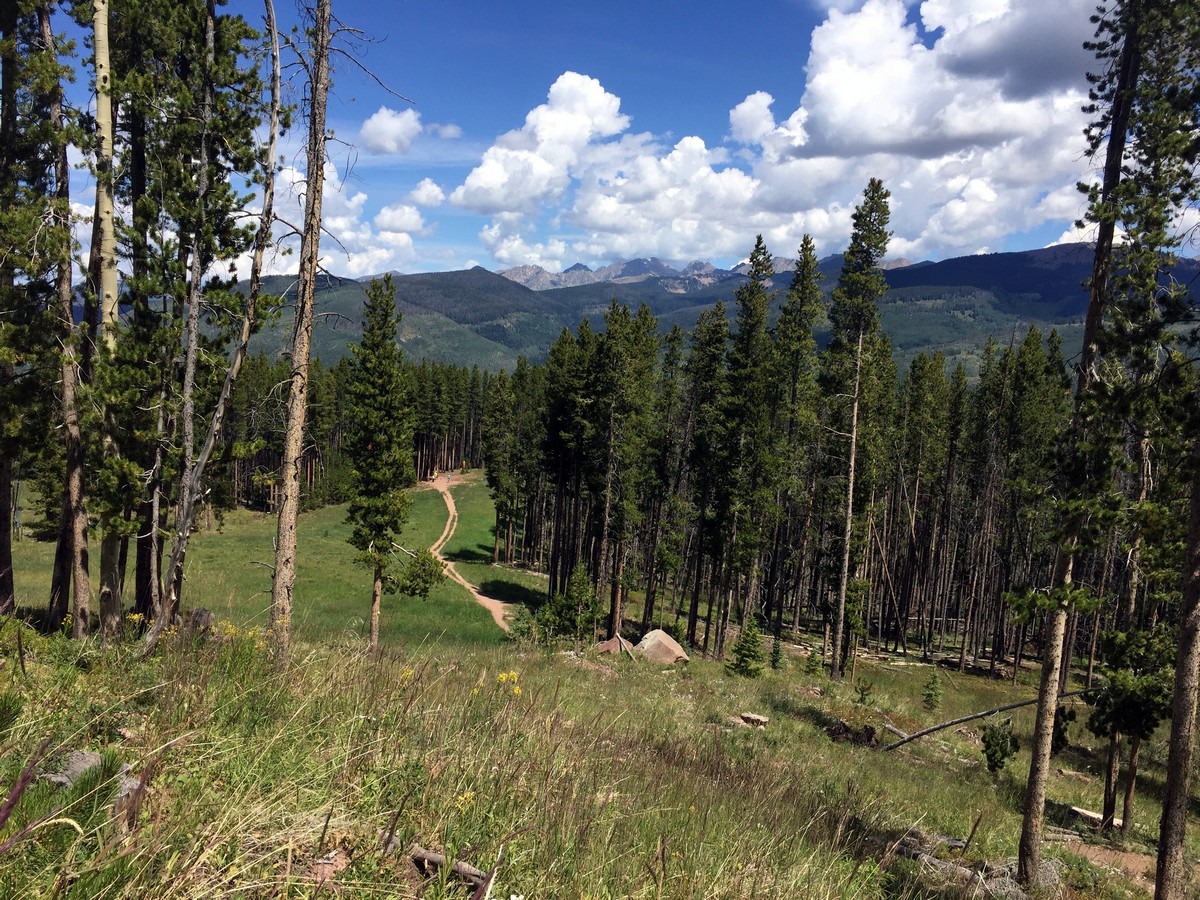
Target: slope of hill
479 317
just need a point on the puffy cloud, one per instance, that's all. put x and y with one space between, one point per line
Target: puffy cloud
534 164
957 104
399 218
389 132
448 132
509 245
427 193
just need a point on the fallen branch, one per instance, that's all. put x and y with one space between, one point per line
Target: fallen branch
428 859
972 717
623 642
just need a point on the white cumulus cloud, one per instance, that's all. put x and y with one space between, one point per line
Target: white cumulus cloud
388 131
952 103
401 217
427 193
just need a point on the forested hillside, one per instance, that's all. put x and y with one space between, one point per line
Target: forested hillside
951 307
992 462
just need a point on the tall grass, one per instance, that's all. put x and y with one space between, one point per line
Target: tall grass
247 778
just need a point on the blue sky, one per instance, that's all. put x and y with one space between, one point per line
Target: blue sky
555 133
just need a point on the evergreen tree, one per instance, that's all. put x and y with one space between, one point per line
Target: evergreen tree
854 316
748 431
378 442
705 391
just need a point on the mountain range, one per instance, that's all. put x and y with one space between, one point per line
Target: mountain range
477 317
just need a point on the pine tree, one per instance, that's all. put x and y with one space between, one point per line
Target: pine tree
378 443
1143 103
705 391
854 316
748 431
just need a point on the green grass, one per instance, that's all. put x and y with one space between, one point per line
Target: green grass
618 779
228 571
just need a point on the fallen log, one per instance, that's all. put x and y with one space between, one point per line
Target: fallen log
961 719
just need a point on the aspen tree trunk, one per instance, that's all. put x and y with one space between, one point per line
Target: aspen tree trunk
289 507
8 140
1173 869
839 622
105 256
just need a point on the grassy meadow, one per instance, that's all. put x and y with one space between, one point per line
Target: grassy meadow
574 776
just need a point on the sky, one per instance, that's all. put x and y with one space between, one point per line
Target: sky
550 133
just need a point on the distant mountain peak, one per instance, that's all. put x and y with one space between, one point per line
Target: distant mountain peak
578 267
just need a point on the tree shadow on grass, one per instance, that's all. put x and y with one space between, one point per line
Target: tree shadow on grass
480 553
807 712
508 592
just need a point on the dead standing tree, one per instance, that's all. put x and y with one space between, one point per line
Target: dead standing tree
316 65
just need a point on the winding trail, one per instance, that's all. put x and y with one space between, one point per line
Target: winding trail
491 604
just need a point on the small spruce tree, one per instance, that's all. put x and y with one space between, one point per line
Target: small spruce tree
378 445
931 694
747 658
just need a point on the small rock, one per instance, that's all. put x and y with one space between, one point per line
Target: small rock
754 720
76 764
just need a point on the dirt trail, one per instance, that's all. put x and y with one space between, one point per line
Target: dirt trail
491 604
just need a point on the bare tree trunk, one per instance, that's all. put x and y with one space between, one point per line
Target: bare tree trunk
1030 858
289 506
376 603
188 484
72 531
1112 771
105 255
839 621
1173 869
8 184
1135 746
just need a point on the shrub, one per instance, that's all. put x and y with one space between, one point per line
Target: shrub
865 690
571 615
